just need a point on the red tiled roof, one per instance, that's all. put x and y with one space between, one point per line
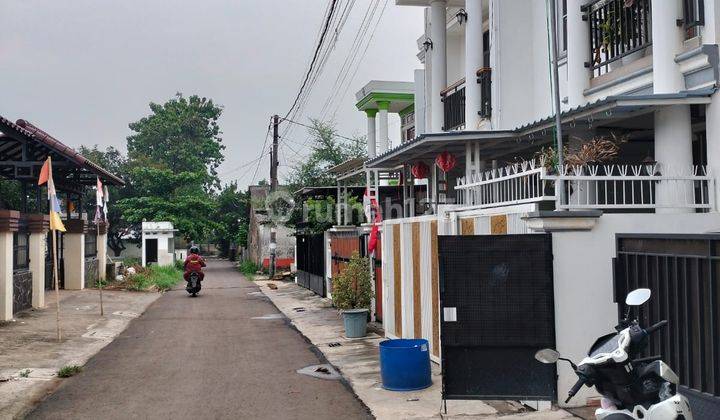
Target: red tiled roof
33 132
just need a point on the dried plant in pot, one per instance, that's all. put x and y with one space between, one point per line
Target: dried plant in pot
352 294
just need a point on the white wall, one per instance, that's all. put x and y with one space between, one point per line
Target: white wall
584 308
521 81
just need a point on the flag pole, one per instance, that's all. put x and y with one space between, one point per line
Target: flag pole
57 283
100 281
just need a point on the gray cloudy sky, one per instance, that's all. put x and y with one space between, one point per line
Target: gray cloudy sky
83 69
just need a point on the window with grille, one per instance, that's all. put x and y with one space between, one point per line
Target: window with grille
21 257
90 245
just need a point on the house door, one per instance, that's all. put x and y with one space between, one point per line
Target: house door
151 251
497 310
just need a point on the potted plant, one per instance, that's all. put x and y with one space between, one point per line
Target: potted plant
615 29
352 292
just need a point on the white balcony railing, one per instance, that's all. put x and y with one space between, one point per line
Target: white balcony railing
635 187
606 187
519 183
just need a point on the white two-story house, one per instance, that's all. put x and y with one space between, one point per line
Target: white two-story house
640 121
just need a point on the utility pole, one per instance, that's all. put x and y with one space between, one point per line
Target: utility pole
559 187
273 188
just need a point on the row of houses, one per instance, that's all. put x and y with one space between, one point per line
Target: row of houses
489 249
26 262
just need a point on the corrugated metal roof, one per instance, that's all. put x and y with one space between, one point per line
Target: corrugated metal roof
628 102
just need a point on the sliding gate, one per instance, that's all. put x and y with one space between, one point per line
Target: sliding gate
311 262
683 273
497 310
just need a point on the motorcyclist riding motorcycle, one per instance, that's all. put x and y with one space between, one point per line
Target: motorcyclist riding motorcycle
193 270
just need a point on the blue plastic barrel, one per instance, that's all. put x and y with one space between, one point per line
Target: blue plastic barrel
405 364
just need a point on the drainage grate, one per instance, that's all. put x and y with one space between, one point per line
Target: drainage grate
320 371
334 345
299 309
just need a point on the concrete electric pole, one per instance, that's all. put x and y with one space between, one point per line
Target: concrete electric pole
273 189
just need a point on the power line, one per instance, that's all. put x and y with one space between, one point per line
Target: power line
315 56
317 129
372 35
262 152
352 55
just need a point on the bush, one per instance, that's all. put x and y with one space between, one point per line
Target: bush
68 371
160 277
131 262
248 268
180 265
352 289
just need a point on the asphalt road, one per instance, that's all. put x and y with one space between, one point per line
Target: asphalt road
204 358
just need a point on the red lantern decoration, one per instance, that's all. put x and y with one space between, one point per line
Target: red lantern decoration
420 170
446 161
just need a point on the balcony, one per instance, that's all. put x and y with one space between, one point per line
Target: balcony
604 187
620 31
453 99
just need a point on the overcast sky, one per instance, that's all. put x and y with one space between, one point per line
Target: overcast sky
83 69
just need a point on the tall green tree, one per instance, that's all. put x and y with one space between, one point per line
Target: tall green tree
232 217
182 135
327 150
173 156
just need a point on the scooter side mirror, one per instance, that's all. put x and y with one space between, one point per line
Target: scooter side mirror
637 297
548 356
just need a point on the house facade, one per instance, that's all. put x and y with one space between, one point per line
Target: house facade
260 225
27 263
640 127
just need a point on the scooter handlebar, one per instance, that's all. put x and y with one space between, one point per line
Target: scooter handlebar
574 390
651 329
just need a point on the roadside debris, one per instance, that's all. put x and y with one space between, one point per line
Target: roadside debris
272 286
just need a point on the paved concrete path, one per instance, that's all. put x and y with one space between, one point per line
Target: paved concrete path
204 358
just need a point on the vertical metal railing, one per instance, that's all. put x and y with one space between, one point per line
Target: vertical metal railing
682 272
617 28
485 80
453 99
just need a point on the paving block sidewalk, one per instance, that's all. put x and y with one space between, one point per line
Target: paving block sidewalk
358 361
29 343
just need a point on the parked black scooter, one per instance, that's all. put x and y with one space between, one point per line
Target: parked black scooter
632 388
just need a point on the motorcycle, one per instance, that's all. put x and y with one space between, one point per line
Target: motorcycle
631 387
193 283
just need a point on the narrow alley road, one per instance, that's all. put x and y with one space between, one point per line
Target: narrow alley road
204 358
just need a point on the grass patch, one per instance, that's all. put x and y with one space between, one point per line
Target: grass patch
25 373
154 277
248 268
68 371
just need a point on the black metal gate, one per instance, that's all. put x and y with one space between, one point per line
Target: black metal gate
683 273
311 262
496 296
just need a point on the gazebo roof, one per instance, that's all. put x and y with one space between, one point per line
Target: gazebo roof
24 147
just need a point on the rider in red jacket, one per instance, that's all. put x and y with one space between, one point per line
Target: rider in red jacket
194 263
